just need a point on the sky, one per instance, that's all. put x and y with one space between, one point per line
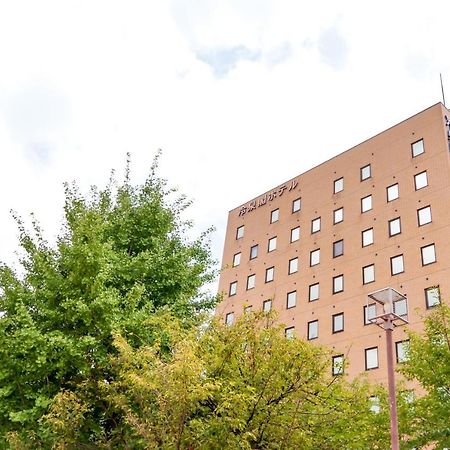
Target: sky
240 95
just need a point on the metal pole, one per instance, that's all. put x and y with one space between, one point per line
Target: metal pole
391 386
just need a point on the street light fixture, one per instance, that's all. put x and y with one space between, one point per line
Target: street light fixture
391 310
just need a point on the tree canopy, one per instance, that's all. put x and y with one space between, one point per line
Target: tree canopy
122 255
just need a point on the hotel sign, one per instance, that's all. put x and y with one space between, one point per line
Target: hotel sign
261 201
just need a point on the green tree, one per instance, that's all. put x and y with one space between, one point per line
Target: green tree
121 257
239 387
428 419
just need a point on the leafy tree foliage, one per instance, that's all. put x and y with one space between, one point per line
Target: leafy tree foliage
427 421
240 387
122 255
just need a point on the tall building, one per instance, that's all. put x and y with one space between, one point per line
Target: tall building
374 216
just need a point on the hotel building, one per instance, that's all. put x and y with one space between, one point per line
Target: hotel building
312 248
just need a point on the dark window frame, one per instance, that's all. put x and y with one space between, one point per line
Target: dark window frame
361 172
365 358
333 317
403 262
334 278
389 226
335 254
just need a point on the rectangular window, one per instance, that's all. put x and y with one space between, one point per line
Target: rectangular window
428 254
432 296
248 309
229 319
338 248
291 299
401 351
274 215
267 305
270 271
272 245
338 185
295 234
338 322
424 215
394 227
240 232
338 215
338 284
368 274
375 404
315 225
366 172
371 358
236 259
417 148
296 205
314 292
401 308
251 281
254 252
392 192
397 265
337 366
370 311
289 333
293 266
314 257
366 203
421 180
233 289
367 237
313 330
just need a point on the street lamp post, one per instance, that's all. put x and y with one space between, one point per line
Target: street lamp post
388 298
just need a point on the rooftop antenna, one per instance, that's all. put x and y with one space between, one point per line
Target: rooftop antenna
442 89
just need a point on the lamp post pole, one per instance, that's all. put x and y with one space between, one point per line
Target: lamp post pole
388 327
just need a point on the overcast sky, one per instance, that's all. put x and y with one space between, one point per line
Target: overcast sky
240 95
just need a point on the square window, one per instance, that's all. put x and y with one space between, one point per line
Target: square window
229 319
313 330
315 225
367 237
233 289
371 358
338 323
401 308
369 274
424 215
338 185
236 259
274 215
291 299
314 257
289 333
296 205
293 265
338 248
240 232
417 148
267 305
394 227
397 265
402 350
337 366
338 284
366 203
421 180
370 311
392 192
272 245
251 281
338 215
314 292
270 271
428 254
295 234
254 252
432 296
366 172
